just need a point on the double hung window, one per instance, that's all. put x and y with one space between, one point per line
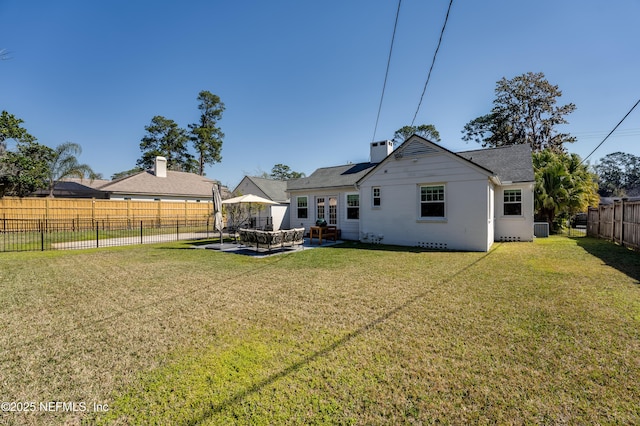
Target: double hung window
303 208
375 197
432 201
512 202
353 206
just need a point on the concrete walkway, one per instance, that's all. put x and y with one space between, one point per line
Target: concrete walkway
127 241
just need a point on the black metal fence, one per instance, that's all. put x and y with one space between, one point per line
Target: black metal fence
79 233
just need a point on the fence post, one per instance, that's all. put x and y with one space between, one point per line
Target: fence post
41 240
177 229
97 234
141 240
622 241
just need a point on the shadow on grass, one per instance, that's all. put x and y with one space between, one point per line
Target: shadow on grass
621 258
392 248
294 367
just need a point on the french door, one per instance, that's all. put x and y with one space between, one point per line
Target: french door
327 209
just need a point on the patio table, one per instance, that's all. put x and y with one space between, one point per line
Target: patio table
328 231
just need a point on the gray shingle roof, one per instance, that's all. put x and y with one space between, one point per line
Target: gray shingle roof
331 177
175 184
275 190
76 188
510 163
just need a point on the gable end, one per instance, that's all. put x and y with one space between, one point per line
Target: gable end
415 148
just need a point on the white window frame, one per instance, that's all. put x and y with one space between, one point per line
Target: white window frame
443 201
375 197
518 193
347 206
306 198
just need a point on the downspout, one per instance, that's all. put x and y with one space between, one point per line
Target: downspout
357 188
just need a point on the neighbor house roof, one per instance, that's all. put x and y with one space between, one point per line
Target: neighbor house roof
510 163
275 190
331 177
177 184
76 188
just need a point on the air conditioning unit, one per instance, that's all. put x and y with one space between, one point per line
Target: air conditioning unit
541 229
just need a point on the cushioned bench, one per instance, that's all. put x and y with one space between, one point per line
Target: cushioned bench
269 240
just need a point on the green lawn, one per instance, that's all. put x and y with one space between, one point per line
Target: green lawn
545 332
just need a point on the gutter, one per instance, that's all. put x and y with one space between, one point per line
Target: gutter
495 179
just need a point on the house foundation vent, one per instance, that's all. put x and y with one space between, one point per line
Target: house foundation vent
432 245
508 239
371 238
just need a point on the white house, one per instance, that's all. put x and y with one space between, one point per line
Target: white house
331 194
427 196
271 189
161 184
423 195
158 184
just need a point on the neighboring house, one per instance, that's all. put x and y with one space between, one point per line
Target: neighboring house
427 196
330 193
156 184
271 189
423 195
76 188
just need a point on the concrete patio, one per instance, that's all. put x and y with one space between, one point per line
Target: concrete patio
237 248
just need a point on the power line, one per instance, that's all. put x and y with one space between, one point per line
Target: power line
386 74
432 62
611 132
599 134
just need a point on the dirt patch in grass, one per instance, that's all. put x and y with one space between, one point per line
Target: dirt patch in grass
529 333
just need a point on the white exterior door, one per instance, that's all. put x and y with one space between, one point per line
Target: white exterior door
327 209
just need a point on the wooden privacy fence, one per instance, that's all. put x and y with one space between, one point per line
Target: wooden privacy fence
618 222
50 210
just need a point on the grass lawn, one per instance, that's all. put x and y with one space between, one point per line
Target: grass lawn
545 332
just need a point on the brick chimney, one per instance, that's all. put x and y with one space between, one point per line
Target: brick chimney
380 150
160 168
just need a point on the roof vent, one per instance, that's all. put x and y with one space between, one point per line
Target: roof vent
416 148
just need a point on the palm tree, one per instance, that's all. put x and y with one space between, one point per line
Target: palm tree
64 164
564 186
552 194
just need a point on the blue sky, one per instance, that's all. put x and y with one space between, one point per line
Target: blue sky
301 80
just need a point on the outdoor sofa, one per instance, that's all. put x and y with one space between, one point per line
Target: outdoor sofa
269 240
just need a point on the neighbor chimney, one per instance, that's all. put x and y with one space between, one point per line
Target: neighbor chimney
380 150
161 167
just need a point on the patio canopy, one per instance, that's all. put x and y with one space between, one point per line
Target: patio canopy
248 198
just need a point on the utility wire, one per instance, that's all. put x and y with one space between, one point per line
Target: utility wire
386 74
611 132
432 63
